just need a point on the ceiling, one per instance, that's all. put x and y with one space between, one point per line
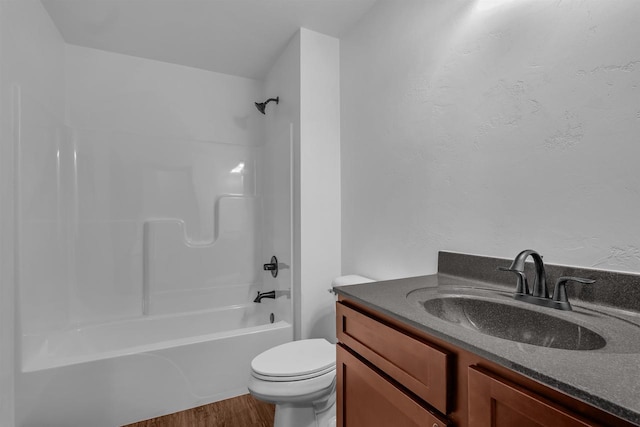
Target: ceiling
238 37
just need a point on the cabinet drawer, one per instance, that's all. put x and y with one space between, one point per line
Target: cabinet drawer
366 399
420 367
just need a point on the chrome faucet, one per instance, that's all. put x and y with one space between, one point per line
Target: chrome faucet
540 295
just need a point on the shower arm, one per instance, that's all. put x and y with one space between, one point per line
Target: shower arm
262 105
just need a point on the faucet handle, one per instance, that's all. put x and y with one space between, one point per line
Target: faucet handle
560 290
522 286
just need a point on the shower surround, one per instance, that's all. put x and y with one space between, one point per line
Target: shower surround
143 218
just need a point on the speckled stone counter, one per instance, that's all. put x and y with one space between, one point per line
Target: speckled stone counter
607 378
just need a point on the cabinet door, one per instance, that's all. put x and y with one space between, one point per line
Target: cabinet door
366 399
494 401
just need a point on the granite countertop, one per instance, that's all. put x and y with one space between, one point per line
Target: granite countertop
607 378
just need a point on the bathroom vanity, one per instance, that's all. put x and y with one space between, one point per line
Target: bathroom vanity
402 363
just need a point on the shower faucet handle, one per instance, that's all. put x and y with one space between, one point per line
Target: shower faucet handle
272 266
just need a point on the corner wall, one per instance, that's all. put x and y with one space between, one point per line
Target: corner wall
306 77
488 127
320 223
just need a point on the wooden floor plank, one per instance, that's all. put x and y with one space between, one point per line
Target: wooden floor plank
241 411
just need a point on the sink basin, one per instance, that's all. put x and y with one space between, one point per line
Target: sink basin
513 323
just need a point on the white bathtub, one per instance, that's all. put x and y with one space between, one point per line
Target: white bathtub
121 372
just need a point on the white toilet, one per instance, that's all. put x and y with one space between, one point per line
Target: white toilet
300 378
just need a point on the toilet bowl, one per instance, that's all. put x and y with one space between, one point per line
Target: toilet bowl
299 377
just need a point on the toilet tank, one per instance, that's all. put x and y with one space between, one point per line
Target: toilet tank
350 279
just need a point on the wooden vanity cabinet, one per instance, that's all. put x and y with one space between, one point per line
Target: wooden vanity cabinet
496 402
370 398
391 374
394 352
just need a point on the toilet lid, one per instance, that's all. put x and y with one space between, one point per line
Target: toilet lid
296 360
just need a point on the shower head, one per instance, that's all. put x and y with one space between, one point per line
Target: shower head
261 105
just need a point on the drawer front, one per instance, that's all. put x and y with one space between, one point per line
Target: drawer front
418 366
366 399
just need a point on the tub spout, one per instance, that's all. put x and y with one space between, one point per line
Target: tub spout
261 295
273 294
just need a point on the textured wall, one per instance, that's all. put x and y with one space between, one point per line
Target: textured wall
488 127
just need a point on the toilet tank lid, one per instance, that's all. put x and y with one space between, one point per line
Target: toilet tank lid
296 358
350 279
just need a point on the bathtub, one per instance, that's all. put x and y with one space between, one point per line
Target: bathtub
121 372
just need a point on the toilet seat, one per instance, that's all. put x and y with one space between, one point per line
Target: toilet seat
301 391
295 361
308 376
295 372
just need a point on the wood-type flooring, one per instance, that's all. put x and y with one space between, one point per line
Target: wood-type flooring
241 411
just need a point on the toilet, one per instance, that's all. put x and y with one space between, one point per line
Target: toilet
299 377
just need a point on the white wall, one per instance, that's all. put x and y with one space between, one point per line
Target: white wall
111 91
320 223
32 92
489 127
306 77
